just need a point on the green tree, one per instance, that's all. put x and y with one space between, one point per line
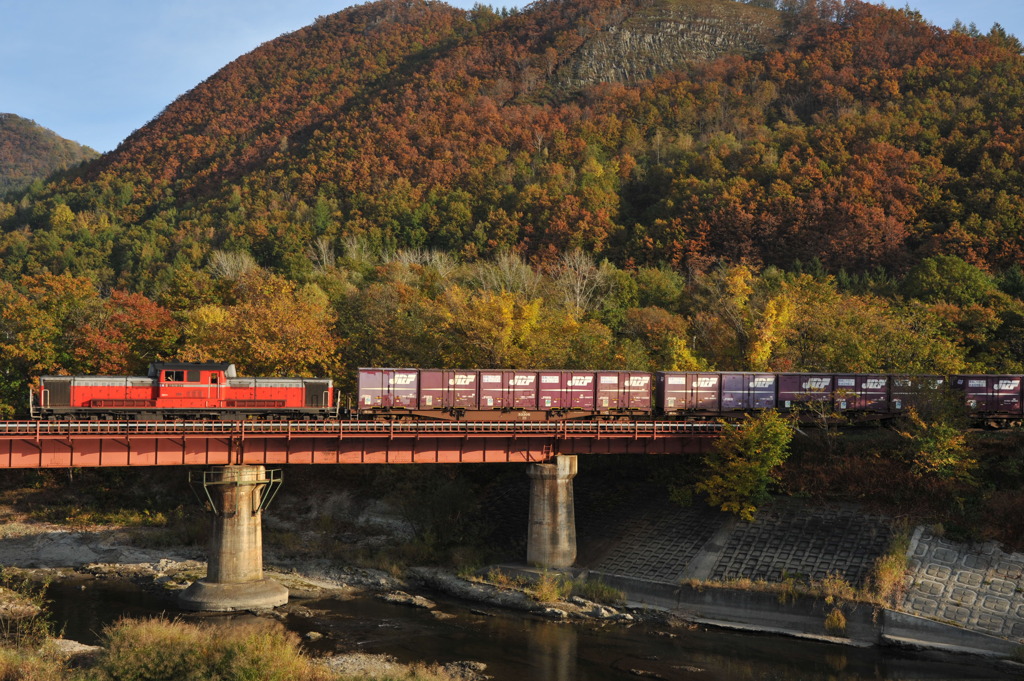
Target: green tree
949 279
742 463
831 331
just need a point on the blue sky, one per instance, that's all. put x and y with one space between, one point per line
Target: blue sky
95 70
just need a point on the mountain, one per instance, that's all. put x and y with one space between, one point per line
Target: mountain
29 151
644 131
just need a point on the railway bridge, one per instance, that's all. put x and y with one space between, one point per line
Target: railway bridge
238 484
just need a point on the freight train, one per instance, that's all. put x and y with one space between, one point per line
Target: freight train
184 390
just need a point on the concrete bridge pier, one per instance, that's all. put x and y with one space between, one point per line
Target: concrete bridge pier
551 541
234 574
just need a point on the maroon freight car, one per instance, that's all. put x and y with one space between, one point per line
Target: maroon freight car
502 393
714 392
913 391
388 389
623 391
448 389
565 391
862 392
996 396
679 392
797 389
508 390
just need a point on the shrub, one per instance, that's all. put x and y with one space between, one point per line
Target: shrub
550 587
597 591
158 650
742 463
26 624
937 448
835 622
887 581
23 665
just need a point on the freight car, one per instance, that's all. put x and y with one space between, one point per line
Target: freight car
993 399
182 390
545 395
523 395
721 393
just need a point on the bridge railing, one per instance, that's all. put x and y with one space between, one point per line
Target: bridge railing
342 428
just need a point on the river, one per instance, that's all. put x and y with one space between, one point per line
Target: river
518 647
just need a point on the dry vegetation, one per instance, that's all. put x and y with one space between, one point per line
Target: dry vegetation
161 650
551 587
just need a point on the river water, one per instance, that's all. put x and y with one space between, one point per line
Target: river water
517 647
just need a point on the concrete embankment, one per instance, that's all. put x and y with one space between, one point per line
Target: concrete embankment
958 597
806 617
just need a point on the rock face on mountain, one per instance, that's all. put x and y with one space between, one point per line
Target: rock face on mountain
669 35
29 151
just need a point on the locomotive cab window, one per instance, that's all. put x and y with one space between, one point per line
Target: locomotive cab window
214 379
174 376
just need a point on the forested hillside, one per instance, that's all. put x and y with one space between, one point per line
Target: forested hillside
651 184
30 152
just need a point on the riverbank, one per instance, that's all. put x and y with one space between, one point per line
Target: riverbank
710 568
669 561
54 553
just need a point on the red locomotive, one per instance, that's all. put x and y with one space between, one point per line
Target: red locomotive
184 389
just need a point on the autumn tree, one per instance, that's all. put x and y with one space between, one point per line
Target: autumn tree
738 319
832 331
124 335
579 281
937 447
272 328
665 336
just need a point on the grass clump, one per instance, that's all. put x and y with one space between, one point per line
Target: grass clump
597 591
362 667
24 622
835 589
17 664
835 622
887 582
158 650
550 587
161 650
503 580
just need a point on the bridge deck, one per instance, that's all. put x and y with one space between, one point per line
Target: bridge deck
62 444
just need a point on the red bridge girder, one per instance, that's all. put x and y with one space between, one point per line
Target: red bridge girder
66 444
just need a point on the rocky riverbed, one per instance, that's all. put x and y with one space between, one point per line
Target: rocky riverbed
49 552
